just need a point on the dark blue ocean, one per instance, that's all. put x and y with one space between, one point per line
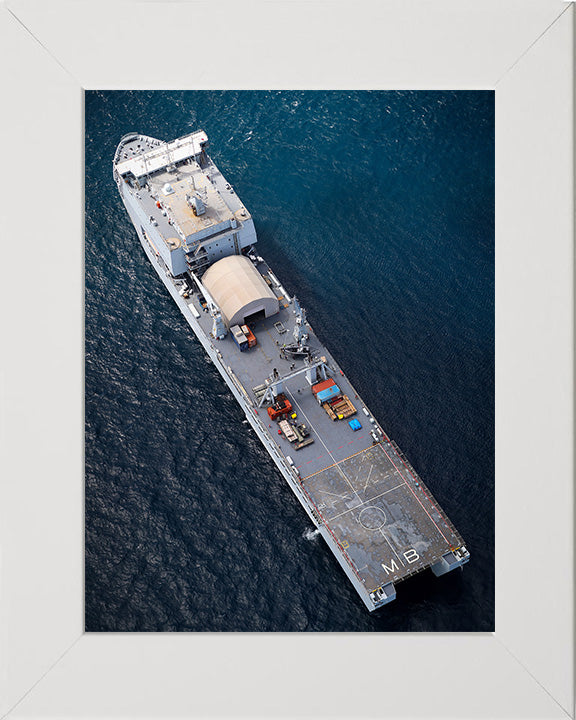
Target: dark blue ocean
377 209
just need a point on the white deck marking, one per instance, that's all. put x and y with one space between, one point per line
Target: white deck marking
348 481
368 479
336 464
342 497
391 548
357 507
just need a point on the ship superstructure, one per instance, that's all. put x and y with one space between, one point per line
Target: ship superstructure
373 510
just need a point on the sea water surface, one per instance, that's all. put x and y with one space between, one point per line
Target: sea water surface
377 210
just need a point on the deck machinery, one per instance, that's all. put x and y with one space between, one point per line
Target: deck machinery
376 515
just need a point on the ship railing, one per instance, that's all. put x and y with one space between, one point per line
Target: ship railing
405 460
130 135
238 384
123 140
196 265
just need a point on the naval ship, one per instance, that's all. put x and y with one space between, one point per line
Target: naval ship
376 515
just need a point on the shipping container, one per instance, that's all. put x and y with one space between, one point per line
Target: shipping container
239 338
249 335
322 385
328 394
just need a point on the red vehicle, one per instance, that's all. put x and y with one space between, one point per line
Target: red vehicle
281 407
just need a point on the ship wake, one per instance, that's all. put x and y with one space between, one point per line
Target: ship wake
311 534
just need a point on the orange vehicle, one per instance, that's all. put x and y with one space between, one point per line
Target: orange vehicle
281 407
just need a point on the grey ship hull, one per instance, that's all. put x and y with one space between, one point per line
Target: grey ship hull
374 512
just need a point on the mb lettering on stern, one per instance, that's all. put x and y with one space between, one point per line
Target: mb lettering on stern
411 556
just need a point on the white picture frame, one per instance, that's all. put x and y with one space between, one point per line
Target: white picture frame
51 52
